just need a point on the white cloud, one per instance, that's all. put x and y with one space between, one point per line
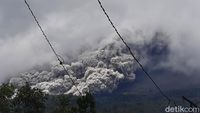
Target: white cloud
71 25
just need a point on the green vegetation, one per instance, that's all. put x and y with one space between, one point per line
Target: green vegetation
86 104
33 100
64 105
29 100
83 104
6 93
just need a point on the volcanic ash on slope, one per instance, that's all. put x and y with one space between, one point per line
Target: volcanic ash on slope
97 71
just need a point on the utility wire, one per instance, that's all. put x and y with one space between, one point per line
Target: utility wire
132 54
59 58
192 104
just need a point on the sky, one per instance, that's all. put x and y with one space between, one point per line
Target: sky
75 25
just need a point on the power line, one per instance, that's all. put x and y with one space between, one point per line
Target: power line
192 104
132 54
59 58
61 63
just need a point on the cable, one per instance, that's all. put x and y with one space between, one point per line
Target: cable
59 58
192 104
61 63
132 54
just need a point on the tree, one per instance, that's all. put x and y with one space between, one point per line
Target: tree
29 100
64 105
6 93
83 104
33 100
86 104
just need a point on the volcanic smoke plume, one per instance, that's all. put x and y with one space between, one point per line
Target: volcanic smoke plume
97 71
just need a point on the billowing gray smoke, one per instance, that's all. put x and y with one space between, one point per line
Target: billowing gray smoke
75 27
70 25
97 71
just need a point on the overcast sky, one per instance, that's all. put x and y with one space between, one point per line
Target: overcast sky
71 24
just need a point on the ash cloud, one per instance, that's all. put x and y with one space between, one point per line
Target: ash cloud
78 26
97 71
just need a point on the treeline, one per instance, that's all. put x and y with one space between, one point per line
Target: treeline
33 100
